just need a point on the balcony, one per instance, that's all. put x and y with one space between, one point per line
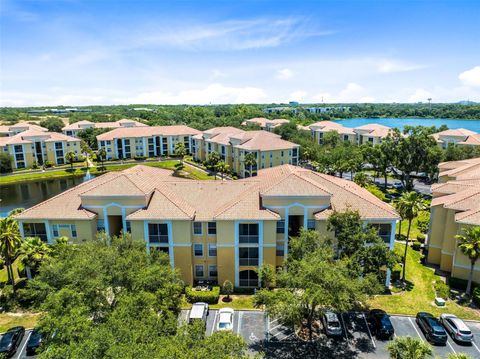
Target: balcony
248 239
159 238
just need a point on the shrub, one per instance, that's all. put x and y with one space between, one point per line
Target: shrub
242 290
140 158
396 272
210 296
421 238
34 165
2 264
476 296
5 163
460 284
416 245
227 288
442 290
400 237
48 164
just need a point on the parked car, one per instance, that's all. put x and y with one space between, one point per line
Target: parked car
432 328
199 311
225 319
11 340
380 323
396 184
456 328
34 341
331 324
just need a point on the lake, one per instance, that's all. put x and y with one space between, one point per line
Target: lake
473 125
28 194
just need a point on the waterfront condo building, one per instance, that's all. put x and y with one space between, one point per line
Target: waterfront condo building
459 136
74 128
155 141
211 230
370 133
12 130
36 147
232 144
266 124
455 206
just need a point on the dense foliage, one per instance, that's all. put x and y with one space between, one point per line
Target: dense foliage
114 300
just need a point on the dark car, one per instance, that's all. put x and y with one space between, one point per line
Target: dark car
380 323
34 341
11 340
432 328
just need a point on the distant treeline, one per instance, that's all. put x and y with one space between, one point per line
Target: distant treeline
203 117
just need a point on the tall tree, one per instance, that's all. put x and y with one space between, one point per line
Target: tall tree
180 151
409 348
409 206
10 241
249 161
101 156
53 124
469 244
212 162
70 157
222 168
32 252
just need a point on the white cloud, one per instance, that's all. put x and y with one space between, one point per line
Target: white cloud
352 92
392 66
471 77
298 96
420 95
284 74
214 93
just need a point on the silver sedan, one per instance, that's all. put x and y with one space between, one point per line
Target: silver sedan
456 328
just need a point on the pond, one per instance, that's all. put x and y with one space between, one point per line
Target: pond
28 194
473 125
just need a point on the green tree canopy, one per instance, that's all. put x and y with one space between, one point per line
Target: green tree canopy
53 124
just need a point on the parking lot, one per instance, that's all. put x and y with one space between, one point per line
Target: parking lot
279 341
21 351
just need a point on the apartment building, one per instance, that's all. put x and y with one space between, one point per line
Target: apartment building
74 128
370 133
34 146
266 124
232 144
455 206
12 130
459 136
145 141
211 230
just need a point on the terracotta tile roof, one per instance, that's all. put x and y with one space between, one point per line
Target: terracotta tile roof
263 122
116 124
469 217
327 126
459 132
146 131
30 135
262 141
168 197
10 129
373 130
473 140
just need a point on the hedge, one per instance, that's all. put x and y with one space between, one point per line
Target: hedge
442 290
210 297
421 238
460 284
476 296
416 245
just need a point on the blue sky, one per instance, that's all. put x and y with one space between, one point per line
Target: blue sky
199 52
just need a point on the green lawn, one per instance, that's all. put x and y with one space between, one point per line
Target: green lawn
42 175
421 295
9 320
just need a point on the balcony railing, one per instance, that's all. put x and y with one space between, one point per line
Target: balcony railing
248 261
159 238
248 239
248 283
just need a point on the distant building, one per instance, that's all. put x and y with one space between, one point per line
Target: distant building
58 111
327 109
459 136
12 130
280 109
74 128
370 133
265 123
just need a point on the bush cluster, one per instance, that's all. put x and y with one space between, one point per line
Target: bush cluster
421 238
442 290
210 297
476 296
416 245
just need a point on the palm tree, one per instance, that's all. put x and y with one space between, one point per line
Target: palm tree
181 152
70 157
250 160
362 179
101 155
409 348
223 168
10 241
409 205
32 252
15 211
469 244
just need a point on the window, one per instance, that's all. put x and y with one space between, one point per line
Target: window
212 271
248 256
199 271
100 225
281 226
197 228
311 224
345 138
212 250
248 278
35 230
73 230
370 139
128 226
282 153
384 230
198 250
248 233
55 230
158 233
280 249
212 228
